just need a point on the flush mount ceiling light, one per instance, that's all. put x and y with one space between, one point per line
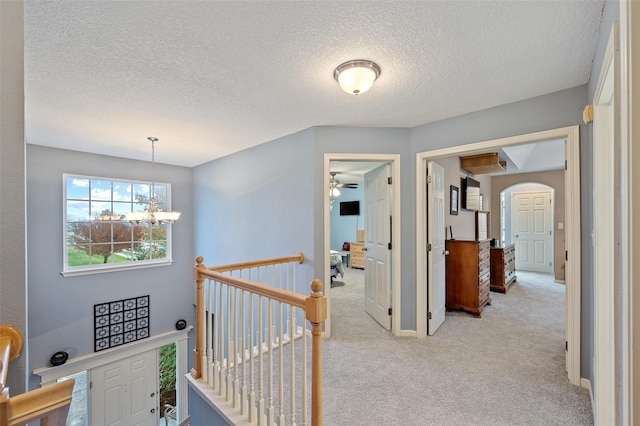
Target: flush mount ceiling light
356 77
152 215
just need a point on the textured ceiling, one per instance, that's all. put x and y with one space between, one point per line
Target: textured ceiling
210 78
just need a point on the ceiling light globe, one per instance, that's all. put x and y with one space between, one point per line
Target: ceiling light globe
356 77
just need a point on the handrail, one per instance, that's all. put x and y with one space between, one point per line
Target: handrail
289 297
314 306
10 347
49 402
256 263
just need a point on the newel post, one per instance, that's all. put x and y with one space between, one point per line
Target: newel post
316 313
196 371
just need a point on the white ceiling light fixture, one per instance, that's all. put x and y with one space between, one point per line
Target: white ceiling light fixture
356 77
152 216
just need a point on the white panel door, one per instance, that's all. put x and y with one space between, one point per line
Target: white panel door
377 280
125 392
435 256
532 231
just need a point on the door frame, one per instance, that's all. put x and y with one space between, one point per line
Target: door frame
606 226
49 375
571 135
396 284
552 195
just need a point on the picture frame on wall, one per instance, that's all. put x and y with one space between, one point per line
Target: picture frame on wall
453 200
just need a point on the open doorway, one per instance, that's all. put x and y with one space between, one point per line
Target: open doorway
356 228
572 202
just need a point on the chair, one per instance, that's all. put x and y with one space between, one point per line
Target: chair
170 412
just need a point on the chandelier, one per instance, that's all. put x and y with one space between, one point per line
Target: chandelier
152 215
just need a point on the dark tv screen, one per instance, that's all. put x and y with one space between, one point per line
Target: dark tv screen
350 208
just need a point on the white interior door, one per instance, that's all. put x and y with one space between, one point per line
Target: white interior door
125 392
436 256
377 280
532 231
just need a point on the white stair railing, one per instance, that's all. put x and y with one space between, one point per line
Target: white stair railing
251 340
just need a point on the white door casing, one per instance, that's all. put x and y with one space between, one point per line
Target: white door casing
532 228
125 392
377 281
606 137
571 135
436 256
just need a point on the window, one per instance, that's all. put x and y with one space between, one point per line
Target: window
98 237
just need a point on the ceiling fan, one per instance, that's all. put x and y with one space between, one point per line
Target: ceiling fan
334 184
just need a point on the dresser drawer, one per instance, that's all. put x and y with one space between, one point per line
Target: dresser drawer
484 268
484 279
483 297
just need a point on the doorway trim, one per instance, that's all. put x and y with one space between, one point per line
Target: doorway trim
552 206
396 284
571 135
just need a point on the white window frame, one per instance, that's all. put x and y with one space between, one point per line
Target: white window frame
68 271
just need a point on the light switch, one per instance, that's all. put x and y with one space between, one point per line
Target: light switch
560 225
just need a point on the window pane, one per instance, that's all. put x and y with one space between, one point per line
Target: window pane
122 232
77 255
77 188
78 211
119 210
122 191
141 193
101 190
161 197
101 253
101 210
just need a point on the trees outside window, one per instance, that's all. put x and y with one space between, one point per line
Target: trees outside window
99 236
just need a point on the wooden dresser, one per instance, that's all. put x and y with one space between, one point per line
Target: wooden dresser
467 275
357 255
503 267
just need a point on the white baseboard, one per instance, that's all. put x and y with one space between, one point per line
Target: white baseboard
558 281
586 384
407 333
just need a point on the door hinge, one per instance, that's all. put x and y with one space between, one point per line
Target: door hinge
389 311
428 179
566 255
90 385
389 246
566 346
428 247
428 315
389 180
565 164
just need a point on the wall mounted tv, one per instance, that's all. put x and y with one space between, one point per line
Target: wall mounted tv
470 194
350 208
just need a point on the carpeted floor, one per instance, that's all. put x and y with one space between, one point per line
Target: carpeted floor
506 368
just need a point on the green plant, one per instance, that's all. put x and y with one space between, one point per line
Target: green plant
167 367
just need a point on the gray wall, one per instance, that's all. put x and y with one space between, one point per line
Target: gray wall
371 141
12 187
258 204
61 309
555 110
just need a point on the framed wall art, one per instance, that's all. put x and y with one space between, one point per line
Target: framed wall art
453 200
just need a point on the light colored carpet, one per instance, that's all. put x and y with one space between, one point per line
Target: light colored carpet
506 368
